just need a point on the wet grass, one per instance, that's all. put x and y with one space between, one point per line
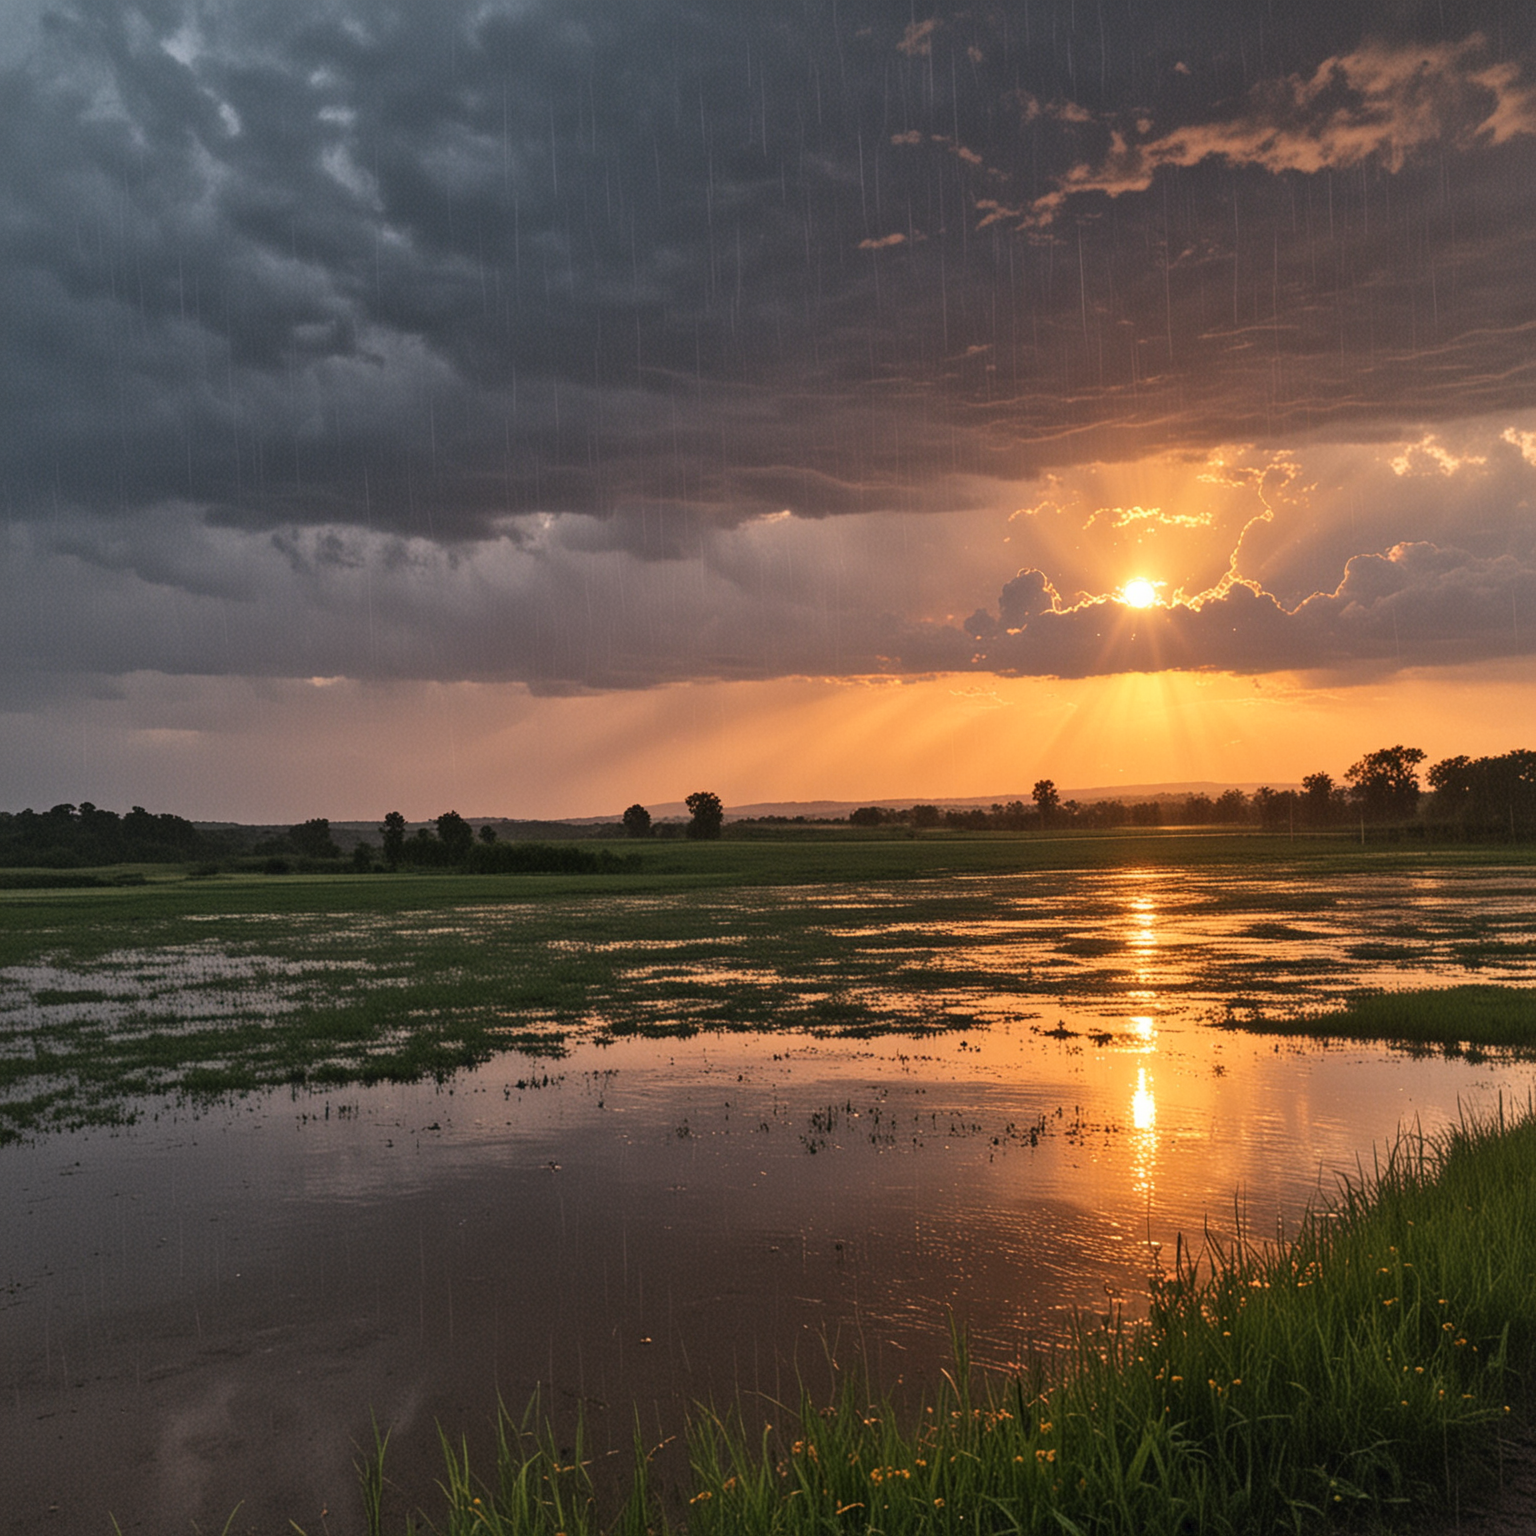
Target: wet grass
115 1000
1332 1381
1453 1019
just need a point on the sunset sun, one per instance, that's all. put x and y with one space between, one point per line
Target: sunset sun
1139 593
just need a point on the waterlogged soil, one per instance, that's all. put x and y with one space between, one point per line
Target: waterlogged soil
724 1145
195 1006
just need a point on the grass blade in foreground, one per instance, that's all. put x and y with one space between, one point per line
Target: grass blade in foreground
1344 1374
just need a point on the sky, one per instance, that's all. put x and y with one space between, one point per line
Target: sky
534 406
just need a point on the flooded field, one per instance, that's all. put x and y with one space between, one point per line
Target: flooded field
730 1138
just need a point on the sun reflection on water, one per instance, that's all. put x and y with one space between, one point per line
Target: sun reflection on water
1144 1123
1144 920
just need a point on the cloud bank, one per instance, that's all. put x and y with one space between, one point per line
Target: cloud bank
597 346
1417 605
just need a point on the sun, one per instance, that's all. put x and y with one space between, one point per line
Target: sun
1139 593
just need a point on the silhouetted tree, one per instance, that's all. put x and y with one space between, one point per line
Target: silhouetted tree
866 816
707 812
66 837
1451 781
1276 808
456 835
1105 813
1231 807
637 821
1481 794
926 816
1385 783
393 835
972 821
313 839
1046 799
487 834
423 850
1198 811
1319 801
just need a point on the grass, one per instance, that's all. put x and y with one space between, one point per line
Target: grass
116 999
1455 1019
1334 1380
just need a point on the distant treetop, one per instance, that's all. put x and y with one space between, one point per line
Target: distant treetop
707 812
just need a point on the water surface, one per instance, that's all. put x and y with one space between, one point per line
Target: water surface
203 1310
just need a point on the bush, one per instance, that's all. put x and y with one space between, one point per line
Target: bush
546 859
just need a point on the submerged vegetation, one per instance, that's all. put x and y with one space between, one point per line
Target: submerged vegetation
199 987
1348 1373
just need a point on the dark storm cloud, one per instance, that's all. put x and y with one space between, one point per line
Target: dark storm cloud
422 267
495 340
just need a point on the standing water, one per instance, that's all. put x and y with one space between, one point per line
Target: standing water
208 1309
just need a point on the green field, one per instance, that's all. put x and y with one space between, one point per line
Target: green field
197 987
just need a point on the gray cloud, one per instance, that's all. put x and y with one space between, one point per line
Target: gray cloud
561 603
421 268
494 340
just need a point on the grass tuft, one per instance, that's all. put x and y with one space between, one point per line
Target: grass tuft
1453 1018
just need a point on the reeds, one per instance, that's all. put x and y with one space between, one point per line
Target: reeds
1351 1371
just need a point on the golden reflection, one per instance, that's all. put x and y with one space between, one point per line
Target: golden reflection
1143 923
1143 1104
1142 941
1144 1027
1144 1122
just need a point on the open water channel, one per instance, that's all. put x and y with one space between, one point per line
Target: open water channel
205 1310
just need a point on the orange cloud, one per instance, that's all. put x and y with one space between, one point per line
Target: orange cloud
1125 517
995 211
1381 103
1524 441
1428 457
1416 604
1058 111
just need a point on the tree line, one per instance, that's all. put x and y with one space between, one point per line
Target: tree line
1465 796
78 836
68 837
1472 797
451 843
